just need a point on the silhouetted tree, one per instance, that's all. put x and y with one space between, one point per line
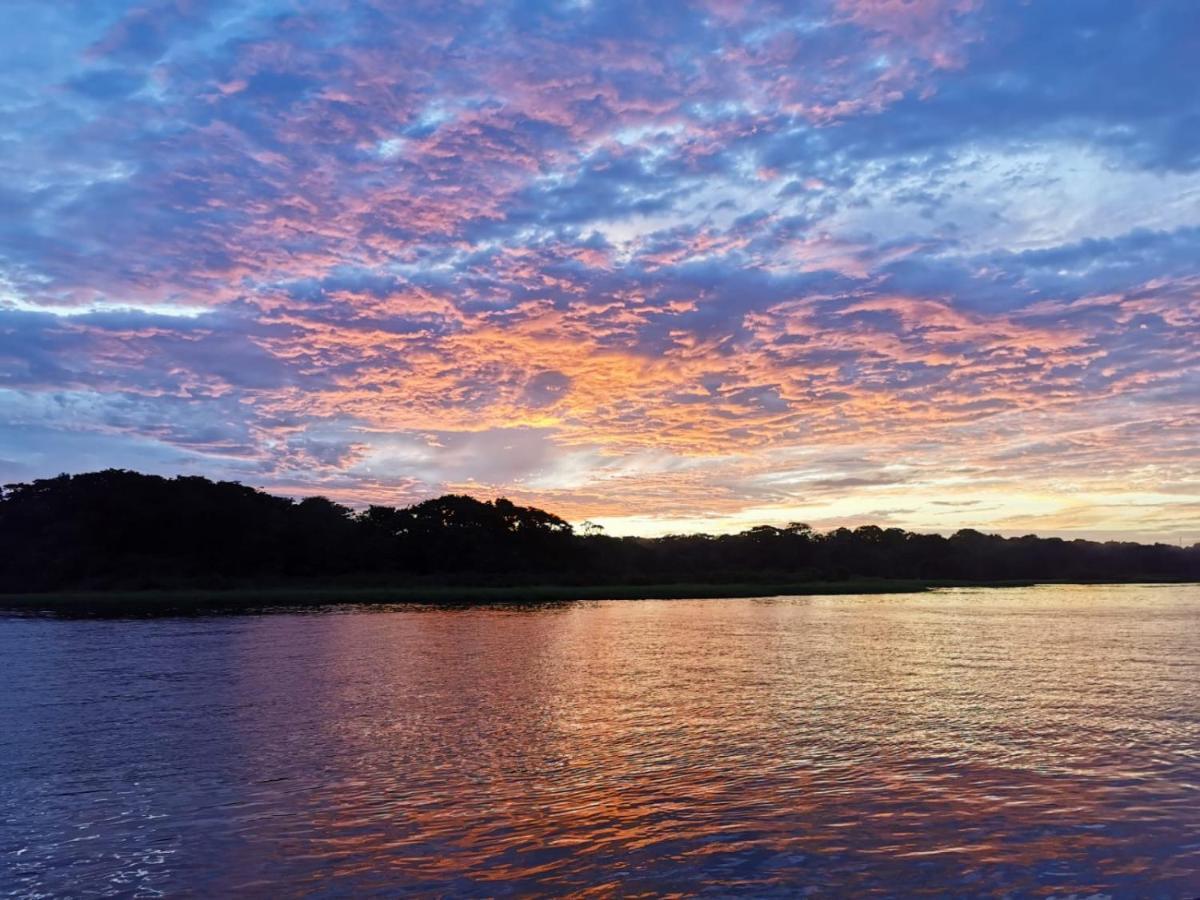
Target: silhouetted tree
122 529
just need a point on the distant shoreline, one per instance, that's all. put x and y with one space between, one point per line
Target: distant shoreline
301 596
121 531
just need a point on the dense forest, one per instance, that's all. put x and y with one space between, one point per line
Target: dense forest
121 529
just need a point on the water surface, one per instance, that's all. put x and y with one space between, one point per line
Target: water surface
1018 742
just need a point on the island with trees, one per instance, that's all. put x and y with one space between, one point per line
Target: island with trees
121 531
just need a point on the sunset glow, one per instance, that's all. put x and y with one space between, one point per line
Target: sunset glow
924 263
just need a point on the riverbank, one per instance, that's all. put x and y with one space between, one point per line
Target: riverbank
258 598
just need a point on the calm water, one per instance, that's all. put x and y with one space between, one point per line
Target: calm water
1041 742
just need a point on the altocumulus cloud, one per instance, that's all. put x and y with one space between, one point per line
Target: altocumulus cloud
644 263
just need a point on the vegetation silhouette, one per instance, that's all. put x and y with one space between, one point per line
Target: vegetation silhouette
121 530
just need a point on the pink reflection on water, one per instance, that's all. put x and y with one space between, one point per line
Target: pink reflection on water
1038 742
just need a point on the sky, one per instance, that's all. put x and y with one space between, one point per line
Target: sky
666 267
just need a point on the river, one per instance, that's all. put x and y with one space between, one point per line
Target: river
978 742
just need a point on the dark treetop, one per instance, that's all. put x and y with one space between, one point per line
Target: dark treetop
120 529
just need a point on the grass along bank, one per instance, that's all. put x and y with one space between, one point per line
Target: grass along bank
254 598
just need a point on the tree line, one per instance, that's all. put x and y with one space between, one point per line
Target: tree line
122 529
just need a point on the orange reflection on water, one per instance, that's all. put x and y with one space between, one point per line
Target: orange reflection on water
1027 739
1039 741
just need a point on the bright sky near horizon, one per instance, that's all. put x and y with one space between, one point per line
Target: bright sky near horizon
668 267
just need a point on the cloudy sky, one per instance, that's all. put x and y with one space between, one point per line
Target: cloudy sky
929 263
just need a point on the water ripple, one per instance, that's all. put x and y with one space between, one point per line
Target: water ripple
1041 742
